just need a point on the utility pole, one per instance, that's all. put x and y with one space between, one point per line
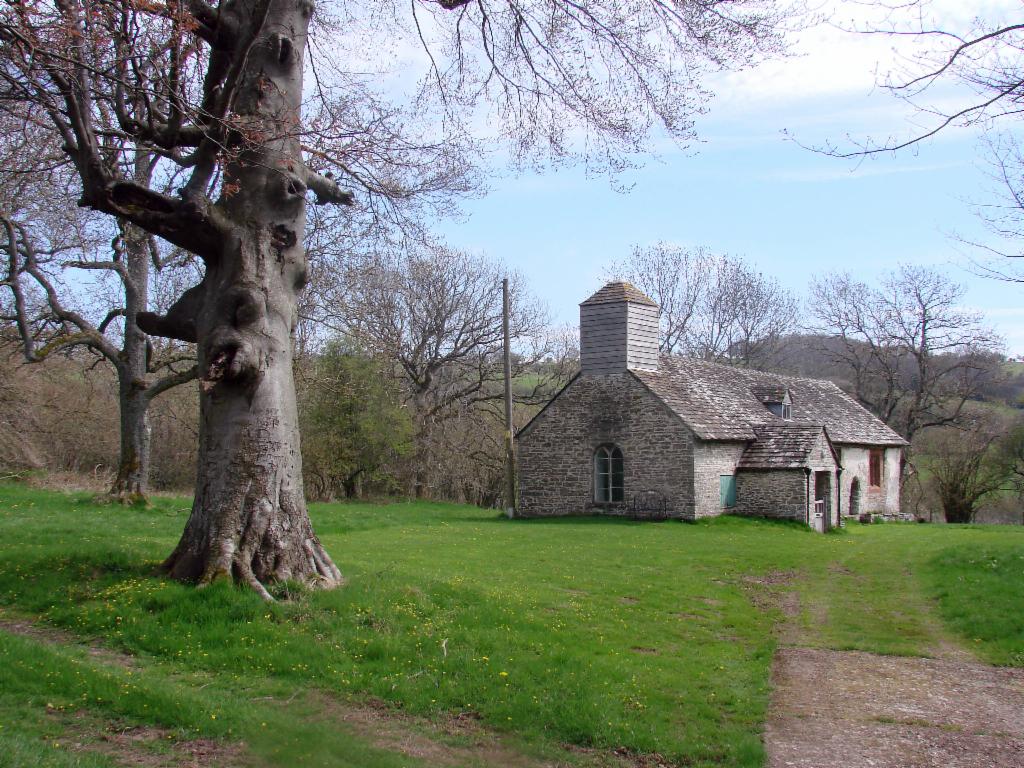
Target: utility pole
510 454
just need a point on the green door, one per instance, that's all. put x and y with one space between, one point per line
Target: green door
727 490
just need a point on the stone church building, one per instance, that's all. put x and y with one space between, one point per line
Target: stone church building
647 435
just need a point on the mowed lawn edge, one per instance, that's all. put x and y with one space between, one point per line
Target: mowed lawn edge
657 638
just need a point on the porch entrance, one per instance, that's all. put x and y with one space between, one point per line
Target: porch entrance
822 501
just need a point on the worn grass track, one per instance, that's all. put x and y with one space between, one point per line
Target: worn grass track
649 639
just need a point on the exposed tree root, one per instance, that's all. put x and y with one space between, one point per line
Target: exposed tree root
127 498
264 545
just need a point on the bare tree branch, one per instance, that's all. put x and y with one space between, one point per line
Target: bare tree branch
914 356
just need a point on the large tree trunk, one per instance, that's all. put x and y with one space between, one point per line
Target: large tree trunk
249 519
957 509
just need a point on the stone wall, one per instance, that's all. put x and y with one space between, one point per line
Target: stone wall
710 462
883 500
788 493
891 483
821 459
778 493
556 451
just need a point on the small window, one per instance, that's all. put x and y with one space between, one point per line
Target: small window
875 468
787 411
608 475
727 490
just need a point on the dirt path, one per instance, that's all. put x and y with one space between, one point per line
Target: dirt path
861 710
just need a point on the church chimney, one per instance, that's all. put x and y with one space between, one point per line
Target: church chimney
618 330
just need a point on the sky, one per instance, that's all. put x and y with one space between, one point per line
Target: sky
749 188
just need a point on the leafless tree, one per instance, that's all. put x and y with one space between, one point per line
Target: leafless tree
959 74
1003 213
743 315
713 307
1011 453
913 355
674 278
44 240
436 314
214 92
964 72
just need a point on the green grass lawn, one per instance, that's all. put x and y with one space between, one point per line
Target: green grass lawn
599 633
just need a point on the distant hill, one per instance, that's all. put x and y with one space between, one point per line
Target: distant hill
809 355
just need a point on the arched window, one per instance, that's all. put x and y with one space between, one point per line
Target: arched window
608 474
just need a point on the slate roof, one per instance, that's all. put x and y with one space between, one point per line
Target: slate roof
769 393
781 446
619 291
717 403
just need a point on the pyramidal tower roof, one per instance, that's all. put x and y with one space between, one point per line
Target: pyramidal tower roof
619 291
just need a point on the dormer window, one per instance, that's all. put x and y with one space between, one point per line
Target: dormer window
776 399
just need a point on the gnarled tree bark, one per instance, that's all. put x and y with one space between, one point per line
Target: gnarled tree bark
249 519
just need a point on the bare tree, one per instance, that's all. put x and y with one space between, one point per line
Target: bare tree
215 93
964 71
674 278
743 316
713 307
436 314
45 240
913 355
1002 214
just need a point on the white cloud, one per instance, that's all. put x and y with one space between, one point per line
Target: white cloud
830 59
